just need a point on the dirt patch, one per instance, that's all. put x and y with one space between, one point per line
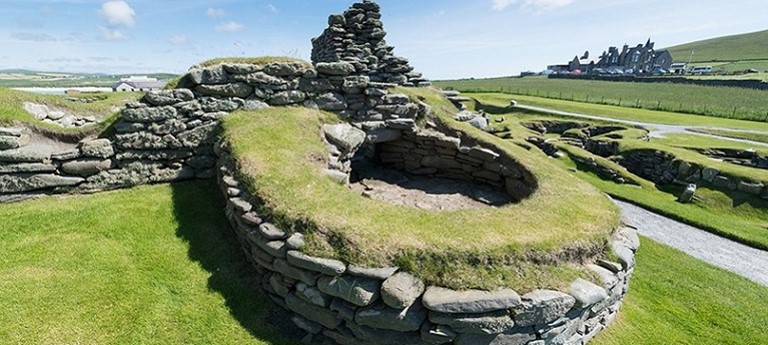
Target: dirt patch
426 193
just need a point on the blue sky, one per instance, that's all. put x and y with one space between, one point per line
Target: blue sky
443 39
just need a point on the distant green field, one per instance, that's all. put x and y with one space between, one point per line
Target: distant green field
750 46
737 103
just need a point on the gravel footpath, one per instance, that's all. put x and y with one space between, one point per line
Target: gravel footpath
745 261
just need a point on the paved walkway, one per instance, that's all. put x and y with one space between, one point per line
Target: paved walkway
745 261
656 129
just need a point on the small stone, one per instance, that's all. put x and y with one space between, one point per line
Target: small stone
688 194
709 174
587 293
86 167
98 148
358 291
543 307
340 68
323 316
296 241
401 290
271 232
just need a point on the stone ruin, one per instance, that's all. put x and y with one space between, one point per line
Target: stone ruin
172 135
357 37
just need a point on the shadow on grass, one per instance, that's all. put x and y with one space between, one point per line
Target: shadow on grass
199 211
492 109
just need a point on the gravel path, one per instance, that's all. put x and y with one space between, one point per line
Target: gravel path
745 261
657 129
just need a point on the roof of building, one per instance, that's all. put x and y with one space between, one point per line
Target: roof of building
141 84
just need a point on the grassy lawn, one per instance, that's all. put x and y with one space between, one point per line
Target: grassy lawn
735 215
149 265
661 117
763 138
12 110
749 46
676 299
703 100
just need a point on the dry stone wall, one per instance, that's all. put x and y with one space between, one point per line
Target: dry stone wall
342 303
664 168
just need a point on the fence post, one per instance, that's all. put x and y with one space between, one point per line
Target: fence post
658 106
587 99
620 99
637 103
734 112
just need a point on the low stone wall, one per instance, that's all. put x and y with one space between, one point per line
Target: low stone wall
338 302
745 84
168 135
664 168
432 153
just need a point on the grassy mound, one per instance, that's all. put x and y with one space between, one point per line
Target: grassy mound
749 46
536 243
113 268
12 108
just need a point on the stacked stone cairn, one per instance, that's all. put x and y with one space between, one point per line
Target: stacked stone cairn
357 37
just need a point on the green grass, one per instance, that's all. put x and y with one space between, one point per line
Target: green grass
676 299
262 60
749 46
763 138
720 102
734 215
483 248
149 265
501 101
12 109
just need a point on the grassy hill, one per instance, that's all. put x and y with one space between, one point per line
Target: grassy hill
750 46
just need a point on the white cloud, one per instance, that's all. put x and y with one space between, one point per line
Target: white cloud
112 35
118 12
272 8
179 40
229 27
499 5
215 12
547 4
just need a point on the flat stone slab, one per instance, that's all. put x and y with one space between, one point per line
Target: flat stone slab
26 168
24 156
401 320
373 273
471 301
325 266
488 323
13 184
358 291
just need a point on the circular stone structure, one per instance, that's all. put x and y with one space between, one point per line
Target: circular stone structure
550 267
